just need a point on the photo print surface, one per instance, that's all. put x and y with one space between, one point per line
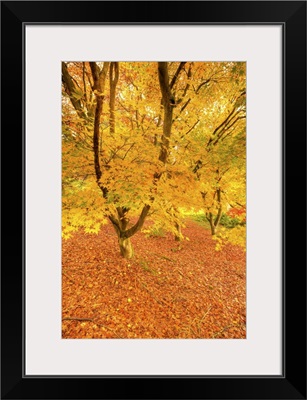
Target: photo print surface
154 200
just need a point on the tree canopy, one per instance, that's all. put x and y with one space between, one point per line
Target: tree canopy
152 140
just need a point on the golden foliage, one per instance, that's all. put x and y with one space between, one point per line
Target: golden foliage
205 154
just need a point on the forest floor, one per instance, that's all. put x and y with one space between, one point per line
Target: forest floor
168 290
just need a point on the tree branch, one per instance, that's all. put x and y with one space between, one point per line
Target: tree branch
70 88
114 73
99 78
186 133
201 85
175 77
136 227
167 101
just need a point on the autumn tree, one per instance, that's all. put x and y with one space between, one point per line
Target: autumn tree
138 138
222 168
218 140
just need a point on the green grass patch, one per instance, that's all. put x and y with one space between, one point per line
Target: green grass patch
154 231
146 267
200 218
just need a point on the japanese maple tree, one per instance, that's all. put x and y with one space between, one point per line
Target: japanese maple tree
146 139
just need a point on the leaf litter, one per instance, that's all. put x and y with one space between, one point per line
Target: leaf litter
169 290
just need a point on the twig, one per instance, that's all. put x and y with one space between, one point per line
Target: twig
161 256
204 316
76 319
67 276
159 301
179 272
225 329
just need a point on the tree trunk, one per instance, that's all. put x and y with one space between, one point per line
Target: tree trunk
178 236
120 224
218 218
220 209
213 226
168 104
213 229
214 223
125 246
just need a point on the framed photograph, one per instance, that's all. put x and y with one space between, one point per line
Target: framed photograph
161 153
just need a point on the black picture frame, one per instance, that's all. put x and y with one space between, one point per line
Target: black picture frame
292 16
